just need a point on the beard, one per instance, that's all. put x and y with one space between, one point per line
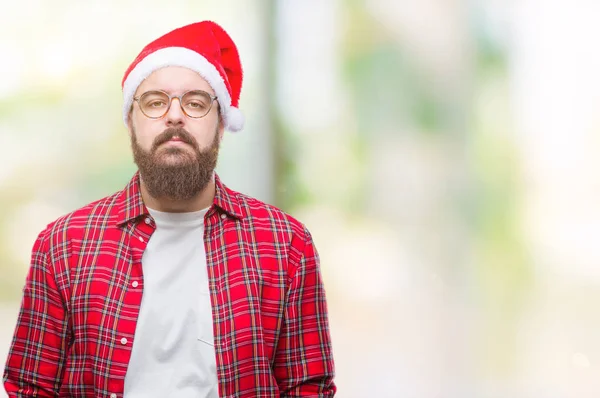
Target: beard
174 172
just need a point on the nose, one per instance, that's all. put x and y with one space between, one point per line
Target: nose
175 116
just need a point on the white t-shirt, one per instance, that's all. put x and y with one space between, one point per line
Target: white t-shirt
173 353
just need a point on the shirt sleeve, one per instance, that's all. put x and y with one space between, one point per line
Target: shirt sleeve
304 364
37 352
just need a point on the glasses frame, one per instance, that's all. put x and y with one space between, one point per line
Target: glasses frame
213 98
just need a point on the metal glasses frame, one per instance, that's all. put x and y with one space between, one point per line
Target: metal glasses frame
213 98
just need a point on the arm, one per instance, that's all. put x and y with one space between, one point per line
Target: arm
37 353
304 361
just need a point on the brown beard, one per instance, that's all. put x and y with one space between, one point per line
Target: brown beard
180 180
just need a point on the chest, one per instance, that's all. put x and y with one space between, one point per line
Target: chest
246 278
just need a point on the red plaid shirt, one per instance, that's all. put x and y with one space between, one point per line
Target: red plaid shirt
84 288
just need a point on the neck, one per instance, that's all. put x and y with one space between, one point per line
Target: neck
201 201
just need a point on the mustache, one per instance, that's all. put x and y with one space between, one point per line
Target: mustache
172 132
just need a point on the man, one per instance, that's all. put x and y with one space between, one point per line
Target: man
176 286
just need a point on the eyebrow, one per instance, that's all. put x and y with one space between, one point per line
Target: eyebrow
170 92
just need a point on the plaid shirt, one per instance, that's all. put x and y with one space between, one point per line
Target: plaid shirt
84 288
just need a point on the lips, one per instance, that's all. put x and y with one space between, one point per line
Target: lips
175 136
177 139
173 142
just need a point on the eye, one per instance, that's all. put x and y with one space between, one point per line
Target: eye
154 100
156 104
196 104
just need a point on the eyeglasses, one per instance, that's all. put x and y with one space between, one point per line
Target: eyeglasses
156 104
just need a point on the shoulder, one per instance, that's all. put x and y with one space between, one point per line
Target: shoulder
260 213
277 230
97 214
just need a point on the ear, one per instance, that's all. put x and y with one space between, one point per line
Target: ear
221 128
130 123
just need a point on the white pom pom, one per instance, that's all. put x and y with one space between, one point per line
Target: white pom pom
235 120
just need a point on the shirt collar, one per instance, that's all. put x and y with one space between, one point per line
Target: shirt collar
227 199
130 205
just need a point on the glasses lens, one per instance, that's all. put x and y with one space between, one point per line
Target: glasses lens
154 103
196 103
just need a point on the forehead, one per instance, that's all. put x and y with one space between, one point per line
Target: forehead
174 80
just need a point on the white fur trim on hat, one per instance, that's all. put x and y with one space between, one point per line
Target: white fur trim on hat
235 119
181 56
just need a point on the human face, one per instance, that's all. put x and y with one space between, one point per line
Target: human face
175 80
176 155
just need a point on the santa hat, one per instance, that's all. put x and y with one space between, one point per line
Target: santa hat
203 47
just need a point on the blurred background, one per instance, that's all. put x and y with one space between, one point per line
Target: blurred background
443 153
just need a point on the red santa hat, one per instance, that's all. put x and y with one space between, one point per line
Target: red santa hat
203 47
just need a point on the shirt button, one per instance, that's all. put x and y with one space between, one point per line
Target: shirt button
223 216
147 220
135 284
123 341
140 238
113 395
